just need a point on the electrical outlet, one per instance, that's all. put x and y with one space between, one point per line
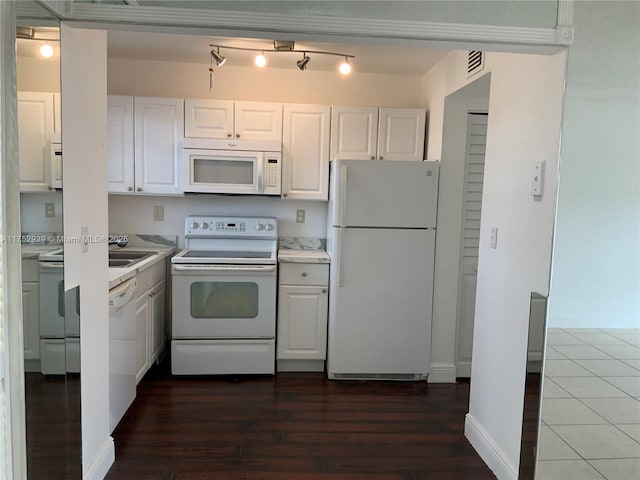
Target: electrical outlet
300 216
49 210
158 213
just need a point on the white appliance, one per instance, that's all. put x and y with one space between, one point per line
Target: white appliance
59 318
224 297
381 239
54 152
232 172
122 350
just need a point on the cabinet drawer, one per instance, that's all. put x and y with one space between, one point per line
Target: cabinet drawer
30 270
304 274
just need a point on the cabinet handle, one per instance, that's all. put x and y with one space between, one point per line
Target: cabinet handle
229 135
373 157
381 157
129 189
237 135
324 290
139 189
284 195
304 274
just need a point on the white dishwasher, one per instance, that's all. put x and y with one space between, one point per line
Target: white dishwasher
122 349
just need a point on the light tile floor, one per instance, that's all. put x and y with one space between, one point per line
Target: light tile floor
591 405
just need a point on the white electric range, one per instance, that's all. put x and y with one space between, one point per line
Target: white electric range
224 297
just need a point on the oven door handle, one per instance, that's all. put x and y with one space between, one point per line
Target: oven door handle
224 268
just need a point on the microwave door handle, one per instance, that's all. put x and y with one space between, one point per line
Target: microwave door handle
260 167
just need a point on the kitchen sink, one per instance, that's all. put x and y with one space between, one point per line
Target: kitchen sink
127 259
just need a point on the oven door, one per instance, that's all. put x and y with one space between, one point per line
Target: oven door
223 301
221 171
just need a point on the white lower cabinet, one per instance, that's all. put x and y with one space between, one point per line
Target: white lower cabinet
31 314
150 317
302 317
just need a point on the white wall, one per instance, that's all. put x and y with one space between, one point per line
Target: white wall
84 120
32 212
35 74
191 80
596 266
134 213
524 125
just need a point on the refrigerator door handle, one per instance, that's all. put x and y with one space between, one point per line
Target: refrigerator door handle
343 195
340 261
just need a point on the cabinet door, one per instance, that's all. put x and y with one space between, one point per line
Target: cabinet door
302 322
142 336
258 121
120 143
157 321
305 152
31 320
159 132
401 134
354 133
35 127
208 119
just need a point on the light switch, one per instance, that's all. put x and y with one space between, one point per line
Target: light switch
158 213
494 237
49 210
300 216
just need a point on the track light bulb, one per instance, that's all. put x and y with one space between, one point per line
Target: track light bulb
219 59
302 64
345 67
261 60
46 50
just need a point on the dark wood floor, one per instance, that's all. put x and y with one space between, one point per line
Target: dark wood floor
52 408
294 426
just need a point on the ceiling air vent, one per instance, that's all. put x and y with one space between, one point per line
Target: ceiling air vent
475 62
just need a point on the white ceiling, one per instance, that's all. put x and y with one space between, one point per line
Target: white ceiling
392 60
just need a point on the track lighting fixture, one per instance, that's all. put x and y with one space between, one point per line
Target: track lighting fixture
282 46
302 64
219 59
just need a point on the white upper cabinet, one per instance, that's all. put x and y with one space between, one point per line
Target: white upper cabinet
145 138
120 143
305 152
159 127
370 133
227 125
401 133
36 124
354 132
208 119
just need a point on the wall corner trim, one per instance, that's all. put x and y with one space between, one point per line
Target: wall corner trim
100 465
489 450
442 373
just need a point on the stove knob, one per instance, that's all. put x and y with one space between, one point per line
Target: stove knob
259 227
204 225
268 227
194 226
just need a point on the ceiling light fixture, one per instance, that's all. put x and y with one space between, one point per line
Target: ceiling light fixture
46 50
345 67
302 64
283 46
219 59
261 60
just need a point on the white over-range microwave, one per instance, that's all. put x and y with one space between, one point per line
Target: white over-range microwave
54 153
240 172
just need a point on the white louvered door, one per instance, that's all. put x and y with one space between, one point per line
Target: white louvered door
471 208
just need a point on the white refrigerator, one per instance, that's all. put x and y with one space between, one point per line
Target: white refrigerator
381 239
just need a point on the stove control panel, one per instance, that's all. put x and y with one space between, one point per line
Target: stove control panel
201 226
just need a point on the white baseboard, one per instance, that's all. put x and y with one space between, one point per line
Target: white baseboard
488 450
442 373
102 462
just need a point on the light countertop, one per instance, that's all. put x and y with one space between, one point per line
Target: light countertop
117 275
33 251
286 255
